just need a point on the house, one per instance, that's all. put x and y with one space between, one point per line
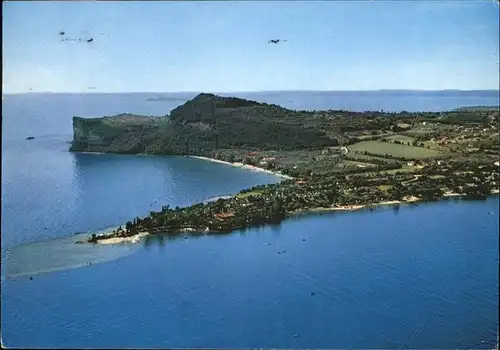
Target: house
411 163
267 159
300 182
497 163
223 216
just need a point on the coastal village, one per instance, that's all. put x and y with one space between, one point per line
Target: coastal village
381 160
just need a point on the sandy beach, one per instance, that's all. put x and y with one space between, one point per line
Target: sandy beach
87 152
451 194
359 206
336 208
245 166
116 240
348 207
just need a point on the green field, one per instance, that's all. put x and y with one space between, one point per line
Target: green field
363 137
385 187
404 125
435 146
394 150
356 163
251 193
437 177
368 159
404 169
402 138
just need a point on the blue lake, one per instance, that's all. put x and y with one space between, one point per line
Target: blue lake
422 276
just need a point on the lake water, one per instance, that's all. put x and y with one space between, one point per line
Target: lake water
422 276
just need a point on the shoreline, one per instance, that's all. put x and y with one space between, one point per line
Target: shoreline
244 166
235 164
118 240
136 238
88 152
355 207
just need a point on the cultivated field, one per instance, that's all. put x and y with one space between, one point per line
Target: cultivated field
394 150
401 138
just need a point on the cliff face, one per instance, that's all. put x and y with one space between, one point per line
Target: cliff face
119 134
85 134
194 128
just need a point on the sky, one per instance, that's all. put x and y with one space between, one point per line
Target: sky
223 46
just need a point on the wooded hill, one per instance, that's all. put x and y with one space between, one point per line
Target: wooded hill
204 123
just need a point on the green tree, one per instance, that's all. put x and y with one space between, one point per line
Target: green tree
160 220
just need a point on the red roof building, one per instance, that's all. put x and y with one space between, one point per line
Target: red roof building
222 216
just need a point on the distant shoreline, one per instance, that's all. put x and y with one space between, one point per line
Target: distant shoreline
244 166
86 92
373 205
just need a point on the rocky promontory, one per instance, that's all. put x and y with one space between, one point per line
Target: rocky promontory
203 124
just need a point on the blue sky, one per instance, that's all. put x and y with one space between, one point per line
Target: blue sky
222 46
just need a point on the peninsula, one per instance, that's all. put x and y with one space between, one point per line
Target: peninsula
330 160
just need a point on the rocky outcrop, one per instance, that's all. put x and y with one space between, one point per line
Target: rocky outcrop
88 133
120 134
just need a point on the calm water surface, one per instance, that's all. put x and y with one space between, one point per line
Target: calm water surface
422 276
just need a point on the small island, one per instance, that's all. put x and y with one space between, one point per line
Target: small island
330 160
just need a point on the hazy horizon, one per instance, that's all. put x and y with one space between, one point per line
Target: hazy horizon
242 92
223 46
